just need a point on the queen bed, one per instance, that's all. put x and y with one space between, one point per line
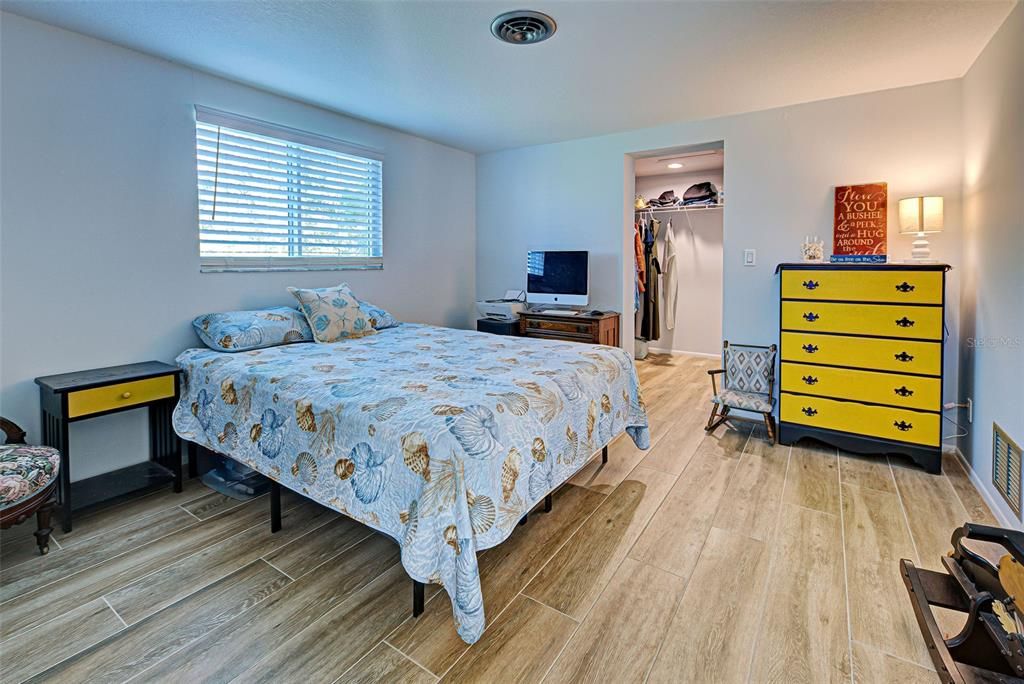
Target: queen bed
442 439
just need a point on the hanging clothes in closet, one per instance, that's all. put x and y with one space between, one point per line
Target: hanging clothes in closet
650 324
669 281
638 265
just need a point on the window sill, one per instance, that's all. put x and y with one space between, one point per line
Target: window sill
261 266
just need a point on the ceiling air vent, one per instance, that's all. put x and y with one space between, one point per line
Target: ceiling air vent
523 27
1006 467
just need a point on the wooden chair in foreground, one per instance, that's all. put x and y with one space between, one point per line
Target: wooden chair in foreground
989 597
28 483
747 384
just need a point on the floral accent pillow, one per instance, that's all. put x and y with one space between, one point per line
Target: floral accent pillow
333 313
235 331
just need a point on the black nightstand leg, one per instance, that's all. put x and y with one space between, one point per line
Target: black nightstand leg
164 444
179 465
65 477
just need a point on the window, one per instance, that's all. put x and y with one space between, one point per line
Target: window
275 199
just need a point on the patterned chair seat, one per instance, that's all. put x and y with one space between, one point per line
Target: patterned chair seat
750 401
25 470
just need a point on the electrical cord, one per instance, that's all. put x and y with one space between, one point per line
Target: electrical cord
958 427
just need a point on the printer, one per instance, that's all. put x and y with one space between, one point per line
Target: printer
505 309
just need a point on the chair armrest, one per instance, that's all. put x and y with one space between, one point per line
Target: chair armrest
713 373
15 435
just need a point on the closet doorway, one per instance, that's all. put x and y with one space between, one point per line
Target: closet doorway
678 240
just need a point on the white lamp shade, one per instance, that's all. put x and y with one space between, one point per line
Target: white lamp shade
921 215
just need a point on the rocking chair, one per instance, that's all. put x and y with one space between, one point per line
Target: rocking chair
749 372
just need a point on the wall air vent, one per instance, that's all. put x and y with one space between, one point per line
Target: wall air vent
523 27
1006 467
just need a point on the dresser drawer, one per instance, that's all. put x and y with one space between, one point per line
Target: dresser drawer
902 425
917 322
564 327
902 356
907 391
915 287
112 397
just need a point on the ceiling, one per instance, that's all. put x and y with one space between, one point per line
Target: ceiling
433 69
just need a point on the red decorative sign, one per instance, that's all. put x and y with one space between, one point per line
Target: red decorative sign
861 217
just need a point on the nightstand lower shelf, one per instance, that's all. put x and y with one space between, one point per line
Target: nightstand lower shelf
119 485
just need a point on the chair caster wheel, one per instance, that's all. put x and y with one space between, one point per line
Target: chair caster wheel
43 550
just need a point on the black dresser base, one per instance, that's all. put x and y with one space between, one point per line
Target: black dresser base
929 458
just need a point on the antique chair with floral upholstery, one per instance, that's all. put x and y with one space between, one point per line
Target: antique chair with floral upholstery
747 385
28 482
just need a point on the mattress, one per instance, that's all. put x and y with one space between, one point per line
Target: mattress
442 439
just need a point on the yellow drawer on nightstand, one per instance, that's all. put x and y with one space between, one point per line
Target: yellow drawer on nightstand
111 397
894 389
915 287
902 356
902 425
918 322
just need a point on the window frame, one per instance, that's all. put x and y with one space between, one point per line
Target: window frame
249 264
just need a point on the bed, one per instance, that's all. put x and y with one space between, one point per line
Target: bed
442 439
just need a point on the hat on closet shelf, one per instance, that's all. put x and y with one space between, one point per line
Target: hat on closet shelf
640 202
665 199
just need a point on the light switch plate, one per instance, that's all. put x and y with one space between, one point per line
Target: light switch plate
750 257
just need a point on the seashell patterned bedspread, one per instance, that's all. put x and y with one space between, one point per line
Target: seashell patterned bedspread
440 438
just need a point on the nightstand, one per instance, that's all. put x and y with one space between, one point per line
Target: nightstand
71 397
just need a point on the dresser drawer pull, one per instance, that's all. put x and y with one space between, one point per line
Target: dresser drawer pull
904 357
902 425
808 411
905 322
904 392
810 317
905 287
126 395
810 348
811 284
810 379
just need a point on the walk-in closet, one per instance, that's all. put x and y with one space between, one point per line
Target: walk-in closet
678 222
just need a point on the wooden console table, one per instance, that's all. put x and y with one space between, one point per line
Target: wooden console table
71 397
603 329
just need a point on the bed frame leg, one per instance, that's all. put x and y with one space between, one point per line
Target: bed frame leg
547 503
275 506
604 455
417 598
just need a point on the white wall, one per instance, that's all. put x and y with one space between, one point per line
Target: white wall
100 260
782 165
699 255
992 336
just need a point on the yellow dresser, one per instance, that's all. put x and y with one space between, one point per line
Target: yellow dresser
861 350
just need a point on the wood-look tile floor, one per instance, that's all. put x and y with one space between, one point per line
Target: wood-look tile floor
708 558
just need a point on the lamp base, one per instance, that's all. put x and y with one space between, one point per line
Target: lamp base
921 252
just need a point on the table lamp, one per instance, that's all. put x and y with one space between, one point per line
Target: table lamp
920 216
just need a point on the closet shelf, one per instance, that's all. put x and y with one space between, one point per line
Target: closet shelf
665 210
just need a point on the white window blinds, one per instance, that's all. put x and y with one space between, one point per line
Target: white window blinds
274 198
